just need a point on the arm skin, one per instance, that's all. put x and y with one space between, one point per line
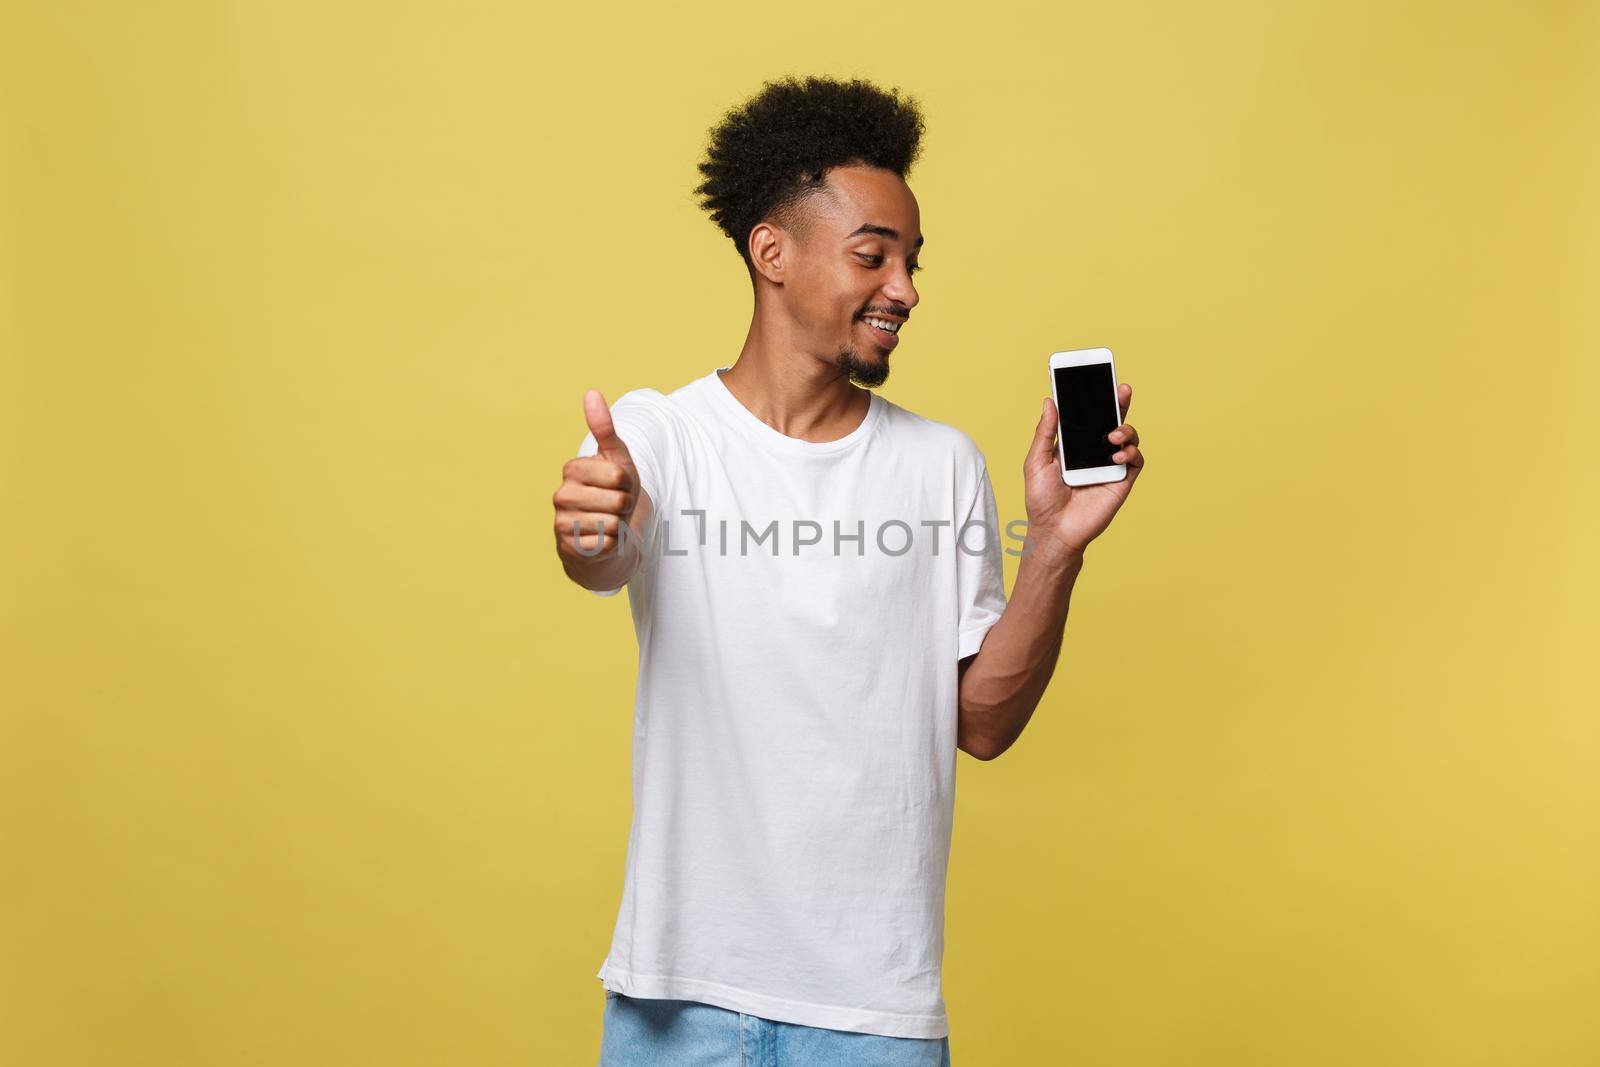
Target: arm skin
1002 683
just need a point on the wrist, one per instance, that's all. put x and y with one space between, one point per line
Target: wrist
1057 555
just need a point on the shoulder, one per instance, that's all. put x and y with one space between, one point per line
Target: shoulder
656 423
933 437
649 407
643 397
674 405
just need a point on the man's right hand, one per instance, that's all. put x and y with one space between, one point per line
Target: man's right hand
602 489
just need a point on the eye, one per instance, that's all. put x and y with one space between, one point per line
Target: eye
877 261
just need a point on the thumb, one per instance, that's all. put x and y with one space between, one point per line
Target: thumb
598 416
1044 446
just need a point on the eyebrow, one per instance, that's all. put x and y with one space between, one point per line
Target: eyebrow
880 231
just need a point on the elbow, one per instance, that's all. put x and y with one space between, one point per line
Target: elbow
971 736
981 744
979 750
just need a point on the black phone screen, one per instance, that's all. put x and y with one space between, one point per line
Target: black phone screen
1087 399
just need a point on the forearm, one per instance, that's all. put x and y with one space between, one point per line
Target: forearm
1006 679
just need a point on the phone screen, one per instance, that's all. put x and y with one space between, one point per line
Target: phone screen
1088 402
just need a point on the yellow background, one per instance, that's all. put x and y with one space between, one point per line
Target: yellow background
312 755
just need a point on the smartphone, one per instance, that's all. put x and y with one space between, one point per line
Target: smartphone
1084 384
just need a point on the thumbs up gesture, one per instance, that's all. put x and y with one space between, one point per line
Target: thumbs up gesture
599 490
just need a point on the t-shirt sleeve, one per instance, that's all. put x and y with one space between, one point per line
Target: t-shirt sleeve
980 575
646 429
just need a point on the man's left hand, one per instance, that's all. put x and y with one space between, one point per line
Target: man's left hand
1063 518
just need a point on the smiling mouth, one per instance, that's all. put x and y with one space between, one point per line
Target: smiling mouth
886 334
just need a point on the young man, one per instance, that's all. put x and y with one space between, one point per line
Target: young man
814 575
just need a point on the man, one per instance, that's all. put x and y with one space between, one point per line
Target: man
815 580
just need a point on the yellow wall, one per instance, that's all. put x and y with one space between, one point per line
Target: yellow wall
311 755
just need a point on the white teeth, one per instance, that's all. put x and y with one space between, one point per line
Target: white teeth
886 327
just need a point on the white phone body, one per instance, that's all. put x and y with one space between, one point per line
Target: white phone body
1084 385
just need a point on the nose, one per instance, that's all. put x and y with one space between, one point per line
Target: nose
900 289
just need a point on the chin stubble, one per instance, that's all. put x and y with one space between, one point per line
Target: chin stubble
866 375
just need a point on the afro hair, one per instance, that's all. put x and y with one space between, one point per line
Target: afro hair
772 153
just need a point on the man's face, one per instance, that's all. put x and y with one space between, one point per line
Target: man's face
857 265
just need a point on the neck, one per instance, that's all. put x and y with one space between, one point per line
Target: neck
795 392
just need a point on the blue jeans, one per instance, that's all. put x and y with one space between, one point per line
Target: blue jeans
685 1033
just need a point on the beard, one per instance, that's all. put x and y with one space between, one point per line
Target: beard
868 375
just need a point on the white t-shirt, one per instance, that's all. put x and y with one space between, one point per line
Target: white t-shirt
794 738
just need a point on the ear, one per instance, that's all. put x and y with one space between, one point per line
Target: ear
767 247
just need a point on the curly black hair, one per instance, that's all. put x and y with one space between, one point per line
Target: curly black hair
772 153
